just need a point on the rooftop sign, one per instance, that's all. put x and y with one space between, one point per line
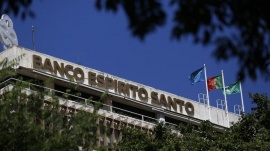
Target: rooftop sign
113 85
159 100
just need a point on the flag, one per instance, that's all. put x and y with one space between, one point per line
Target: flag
214 83
233 88
197 76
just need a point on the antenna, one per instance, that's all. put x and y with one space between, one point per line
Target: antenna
33 42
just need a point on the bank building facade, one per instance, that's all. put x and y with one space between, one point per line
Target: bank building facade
130 103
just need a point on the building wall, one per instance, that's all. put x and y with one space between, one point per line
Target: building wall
158 101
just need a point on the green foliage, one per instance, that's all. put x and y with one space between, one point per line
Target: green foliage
252 132
133 140
18 128
138 140
27 125
28 121
7 67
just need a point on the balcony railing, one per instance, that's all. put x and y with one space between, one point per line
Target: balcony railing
87 104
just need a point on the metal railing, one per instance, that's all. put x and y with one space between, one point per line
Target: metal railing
108 108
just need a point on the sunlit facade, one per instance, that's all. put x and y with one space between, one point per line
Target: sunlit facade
129 103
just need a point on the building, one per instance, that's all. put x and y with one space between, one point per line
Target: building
132 103
129 102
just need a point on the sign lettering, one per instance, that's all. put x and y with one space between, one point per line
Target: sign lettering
120 87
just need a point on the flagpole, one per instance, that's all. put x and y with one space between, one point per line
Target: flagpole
243 108
207 95
225 98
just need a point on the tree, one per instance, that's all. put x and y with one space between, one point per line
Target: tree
160 139
33 119
133 139
237 29
17 7
252 132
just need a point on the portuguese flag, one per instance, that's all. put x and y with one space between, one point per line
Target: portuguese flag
214 83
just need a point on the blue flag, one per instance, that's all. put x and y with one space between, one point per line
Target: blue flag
197 76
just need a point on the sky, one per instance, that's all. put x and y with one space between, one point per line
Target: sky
77 32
